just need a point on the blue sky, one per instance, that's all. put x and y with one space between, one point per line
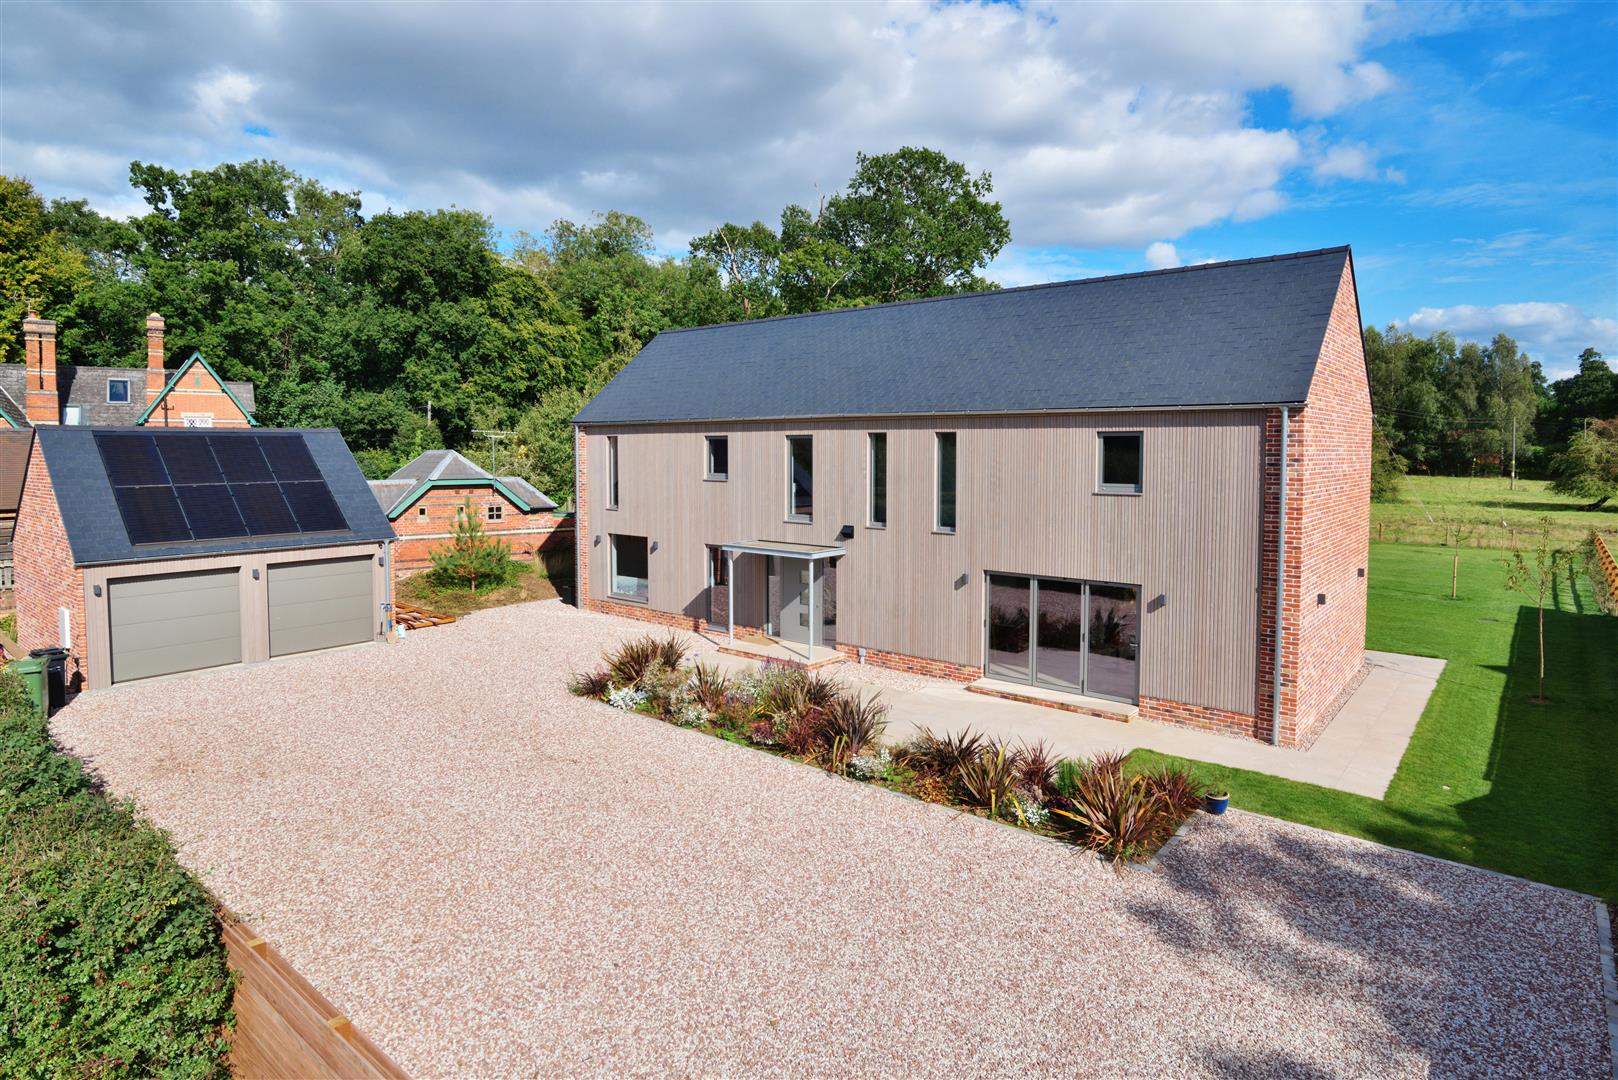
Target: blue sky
1468 152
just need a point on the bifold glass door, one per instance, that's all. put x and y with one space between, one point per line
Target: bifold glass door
1077 636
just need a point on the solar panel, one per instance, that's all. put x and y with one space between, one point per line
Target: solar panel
314 507
209 510
151 514
263 509
178 487
131 459
240 458
189 460
289 458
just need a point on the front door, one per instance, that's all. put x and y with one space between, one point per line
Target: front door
795 577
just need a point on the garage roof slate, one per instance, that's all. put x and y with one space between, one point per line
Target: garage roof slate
95 528
1224 334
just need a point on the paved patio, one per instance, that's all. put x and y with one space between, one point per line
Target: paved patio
491 877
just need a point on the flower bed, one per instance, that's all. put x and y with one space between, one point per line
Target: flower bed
811 717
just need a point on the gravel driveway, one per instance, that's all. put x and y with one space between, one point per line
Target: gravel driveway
492 877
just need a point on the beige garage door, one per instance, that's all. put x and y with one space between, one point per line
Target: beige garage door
174 622
317 605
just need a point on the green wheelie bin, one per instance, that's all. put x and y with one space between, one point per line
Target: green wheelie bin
32 670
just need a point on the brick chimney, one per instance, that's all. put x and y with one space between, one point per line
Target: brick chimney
155 375
39 390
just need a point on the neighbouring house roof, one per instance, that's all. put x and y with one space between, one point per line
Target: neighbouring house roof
14 449
95 527
446 468
1222 334
86 387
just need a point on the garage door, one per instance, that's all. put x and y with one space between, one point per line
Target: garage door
174 622
317 605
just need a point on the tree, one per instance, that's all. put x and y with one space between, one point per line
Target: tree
472 557
1589 469
1535 581
1589 394
1387 468
748 259
1457 531
39 271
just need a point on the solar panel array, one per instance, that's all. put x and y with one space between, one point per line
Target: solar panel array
183 487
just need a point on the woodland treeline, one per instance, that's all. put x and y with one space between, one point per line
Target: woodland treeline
411 330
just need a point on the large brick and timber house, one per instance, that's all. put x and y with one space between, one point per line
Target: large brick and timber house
426 497
40 391
1145 494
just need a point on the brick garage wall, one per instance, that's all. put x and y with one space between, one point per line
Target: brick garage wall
1328 529
46 577
422 534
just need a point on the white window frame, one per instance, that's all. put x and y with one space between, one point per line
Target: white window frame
1139 485
72 415
115 401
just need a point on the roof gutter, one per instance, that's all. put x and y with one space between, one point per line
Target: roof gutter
1280 582
1231 406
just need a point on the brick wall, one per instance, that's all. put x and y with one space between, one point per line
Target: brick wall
1328 528
198 393
915 665
46 577
420 533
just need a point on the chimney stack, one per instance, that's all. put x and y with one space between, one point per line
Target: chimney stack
39 389
156 377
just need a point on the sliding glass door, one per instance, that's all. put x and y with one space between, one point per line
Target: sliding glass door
1076 636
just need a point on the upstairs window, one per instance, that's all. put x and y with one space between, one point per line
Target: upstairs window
1120 462
718 457
800 477
495 512
944 468
612 472
877 508
118 391
629 567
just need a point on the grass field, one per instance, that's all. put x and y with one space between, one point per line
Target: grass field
1426 501
1489 778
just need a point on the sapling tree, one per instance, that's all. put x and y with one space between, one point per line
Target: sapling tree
1535 580
472 557
1459 530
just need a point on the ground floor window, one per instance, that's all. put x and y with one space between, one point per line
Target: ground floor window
1080 636
629 567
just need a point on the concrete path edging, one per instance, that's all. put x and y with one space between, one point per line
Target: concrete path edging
1609 980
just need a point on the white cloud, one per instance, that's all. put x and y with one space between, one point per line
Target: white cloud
1552 333
1107 124
1353 161
1162 256
221 95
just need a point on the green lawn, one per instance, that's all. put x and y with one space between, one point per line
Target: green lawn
1425 501
1489 778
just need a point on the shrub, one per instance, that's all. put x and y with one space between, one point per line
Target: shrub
850 724
628 698
111 962
591 684
711 687
1178 789
870 766
664 689
1117 814
989 780
629 663
472 559
1036 768
941 755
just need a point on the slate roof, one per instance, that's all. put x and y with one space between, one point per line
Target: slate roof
86 387
95 529
1222 334
442 467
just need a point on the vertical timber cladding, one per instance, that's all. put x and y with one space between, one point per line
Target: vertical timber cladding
174 622
318 605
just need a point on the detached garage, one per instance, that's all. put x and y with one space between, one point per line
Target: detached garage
174 549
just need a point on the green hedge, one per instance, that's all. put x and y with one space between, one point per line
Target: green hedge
111 961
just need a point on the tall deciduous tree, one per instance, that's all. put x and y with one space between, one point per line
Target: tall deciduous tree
1589 469
39 269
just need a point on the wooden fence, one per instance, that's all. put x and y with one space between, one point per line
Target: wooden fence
285 1028
1609 565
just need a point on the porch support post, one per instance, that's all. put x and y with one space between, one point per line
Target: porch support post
812 583
730 595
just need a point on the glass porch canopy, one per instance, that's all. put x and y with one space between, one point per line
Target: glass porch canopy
781 549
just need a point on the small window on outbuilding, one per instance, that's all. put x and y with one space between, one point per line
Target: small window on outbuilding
421 511
118 391
718 457
495 512
1120 469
